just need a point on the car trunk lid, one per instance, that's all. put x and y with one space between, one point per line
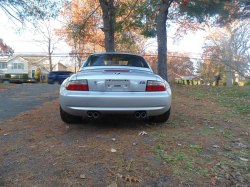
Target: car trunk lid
116 80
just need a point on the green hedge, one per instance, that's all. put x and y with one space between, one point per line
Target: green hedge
235 84
247 83
25 76
7 76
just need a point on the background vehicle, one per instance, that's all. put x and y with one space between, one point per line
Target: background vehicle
57 77
110 83
18 81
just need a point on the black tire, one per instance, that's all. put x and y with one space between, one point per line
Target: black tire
57 82
161 118
6 81
68 118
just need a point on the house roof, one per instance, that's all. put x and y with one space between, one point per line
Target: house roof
34 58
59 63
7 59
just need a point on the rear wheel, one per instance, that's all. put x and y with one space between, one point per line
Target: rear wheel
68 118
161 118
6 81
56 82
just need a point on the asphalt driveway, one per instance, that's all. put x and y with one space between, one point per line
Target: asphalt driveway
25 97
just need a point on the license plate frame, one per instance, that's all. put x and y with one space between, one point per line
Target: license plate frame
116 85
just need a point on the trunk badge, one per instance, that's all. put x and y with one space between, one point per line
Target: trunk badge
117 73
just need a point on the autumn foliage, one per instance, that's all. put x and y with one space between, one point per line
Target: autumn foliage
5 50
178 63
83 27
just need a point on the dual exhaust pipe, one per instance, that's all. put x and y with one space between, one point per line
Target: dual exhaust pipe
140 115
93 114
96 114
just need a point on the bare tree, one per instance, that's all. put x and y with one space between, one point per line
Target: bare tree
231 48
49 40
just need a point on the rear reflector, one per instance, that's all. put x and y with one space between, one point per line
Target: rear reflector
77 85
154 86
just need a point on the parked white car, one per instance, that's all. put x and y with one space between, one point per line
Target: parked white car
115 83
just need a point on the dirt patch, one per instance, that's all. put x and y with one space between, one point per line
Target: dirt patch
201 145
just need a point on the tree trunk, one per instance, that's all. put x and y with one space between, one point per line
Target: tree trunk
229 57
162 38
49 52
229 76
108 24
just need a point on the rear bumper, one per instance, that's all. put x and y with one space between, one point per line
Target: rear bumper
79 102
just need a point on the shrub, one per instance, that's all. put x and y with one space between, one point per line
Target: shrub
37 73
25 76
194 82
179 81
185 82
224 83
44 80
235 84
190 82
7 76
247 83
199 82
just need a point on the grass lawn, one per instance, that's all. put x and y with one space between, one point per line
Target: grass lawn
206 142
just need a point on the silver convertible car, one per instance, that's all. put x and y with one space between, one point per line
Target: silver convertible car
115 83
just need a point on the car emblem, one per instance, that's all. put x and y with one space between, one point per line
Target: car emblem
117 73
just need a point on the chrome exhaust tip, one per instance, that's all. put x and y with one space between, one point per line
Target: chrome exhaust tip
96 114
137 115
90 114
143 115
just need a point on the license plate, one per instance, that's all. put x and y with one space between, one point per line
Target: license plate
117 85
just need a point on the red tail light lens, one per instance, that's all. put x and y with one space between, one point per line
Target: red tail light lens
77 85
154 86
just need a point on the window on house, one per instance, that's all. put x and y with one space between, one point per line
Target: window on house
1 75
16 76
18 66
3 65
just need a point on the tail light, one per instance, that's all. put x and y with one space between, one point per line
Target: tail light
77 85
154 86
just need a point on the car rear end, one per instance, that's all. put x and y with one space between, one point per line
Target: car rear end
99 90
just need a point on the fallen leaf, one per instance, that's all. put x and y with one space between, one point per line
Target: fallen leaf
244 159
82 176
131 179
248 175
213 180
142 133
32 146
112 185
237 140
216 146
113 150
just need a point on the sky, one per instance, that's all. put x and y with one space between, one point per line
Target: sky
191 43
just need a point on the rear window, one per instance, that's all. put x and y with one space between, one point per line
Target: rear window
116 60
51 74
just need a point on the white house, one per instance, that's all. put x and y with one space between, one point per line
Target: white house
16 66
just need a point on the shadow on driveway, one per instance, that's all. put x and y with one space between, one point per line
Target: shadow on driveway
25 97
